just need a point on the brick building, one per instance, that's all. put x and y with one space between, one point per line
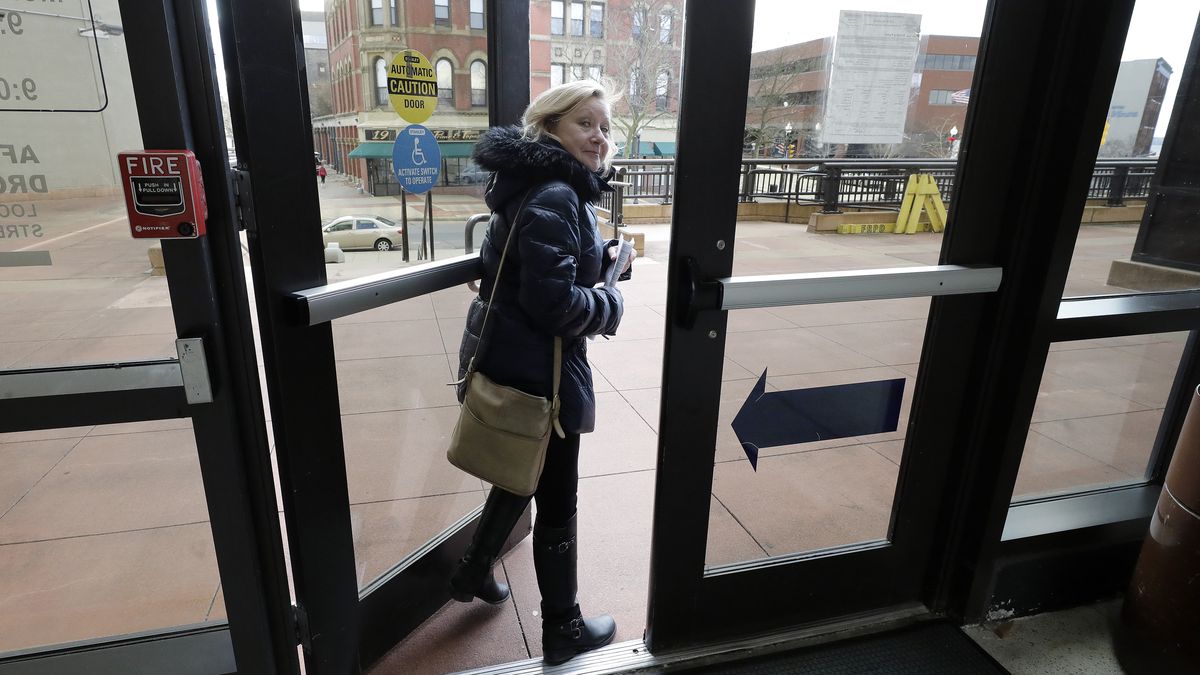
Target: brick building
633 45
364 37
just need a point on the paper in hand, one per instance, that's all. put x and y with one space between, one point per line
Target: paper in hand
624 252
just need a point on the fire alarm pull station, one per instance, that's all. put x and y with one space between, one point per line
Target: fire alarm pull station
164 194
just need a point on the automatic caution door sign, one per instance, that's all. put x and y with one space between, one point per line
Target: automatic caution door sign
412 86
164 194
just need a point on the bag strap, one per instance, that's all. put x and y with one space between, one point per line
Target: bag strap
512 227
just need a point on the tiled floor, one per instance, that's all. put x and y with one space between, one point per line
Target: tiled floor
103 530
1077 641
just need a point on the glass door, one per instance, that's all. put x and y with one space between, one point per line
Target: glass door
801 314
138 528
858 350
356 375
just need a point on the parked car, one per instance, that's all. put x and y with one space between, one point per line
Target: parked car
352 232
472 174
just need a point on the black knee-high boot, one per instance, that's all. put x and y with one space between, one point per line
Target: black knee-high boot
473 578
565 632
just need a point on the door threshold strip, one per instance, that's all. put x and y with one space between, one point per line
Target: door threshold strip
632 655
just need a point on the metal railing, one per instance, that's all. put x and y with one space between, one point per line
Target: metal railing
837 183
1117 180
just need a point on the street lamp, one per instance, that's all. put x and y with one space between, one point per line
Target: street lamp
787 140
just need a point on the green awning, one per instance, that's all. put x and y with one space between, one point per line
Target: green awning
383 150
455 148
372 150
656 149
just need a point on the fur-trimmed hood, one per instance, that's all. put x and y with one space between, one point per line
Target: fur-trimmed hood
519 163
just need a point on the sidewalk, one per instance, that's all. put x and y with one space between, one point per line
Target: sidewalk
103 530
341 197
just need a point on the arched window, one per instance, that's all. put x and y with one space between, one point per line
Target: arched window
381 87
445 80
478 83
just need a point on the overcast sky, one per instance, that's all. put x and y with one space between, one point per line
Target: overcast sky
1160 28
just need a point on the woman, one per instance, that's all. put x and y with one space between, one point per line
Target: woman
553 165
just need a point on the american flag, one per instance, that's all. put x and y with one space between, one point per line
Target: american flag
962 96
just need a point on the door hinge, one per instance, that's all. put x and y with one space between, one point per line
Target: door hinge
243 200
300 624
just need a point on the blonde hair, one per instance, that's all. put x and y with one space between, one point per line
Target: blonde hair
545 112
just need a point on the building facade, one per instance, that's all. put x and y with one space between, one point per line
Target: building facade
942 89
364 37
316 63
789 86
786 100
634 46
1133 111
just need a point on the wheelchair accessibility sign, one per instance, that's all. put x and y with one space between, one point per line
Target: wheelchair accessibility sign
416 159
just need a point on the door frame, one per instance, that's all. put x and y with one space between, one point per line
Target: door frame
171 70
342 628
1031 169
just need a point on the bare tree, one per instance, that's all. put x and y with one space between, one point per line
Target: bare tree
647 77
932 139
1116 147
771 80
886 150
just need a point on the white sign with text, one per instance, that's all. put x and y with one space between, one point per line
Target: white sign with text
871 77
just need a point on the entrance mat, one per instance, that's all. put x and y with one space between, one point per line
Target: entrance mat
931 648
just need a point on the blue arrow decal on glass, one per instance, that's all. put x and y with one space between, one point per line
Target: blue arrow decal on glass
777 418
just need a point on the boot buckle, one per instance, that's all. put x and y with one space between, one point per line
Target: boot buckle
576 628
564 546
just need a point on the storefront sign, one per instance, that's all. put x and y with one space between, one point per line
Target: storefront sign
379 134
416 159
440 134
457 134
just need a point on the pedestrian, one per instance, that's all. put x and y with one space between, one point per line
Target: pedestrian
322 172
555 166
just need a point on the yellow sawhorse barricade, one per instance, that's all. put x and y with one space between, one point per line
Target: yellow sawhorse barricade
921 195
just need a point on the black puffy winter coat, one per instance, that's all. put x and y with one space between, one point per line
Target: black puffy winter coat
546 288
